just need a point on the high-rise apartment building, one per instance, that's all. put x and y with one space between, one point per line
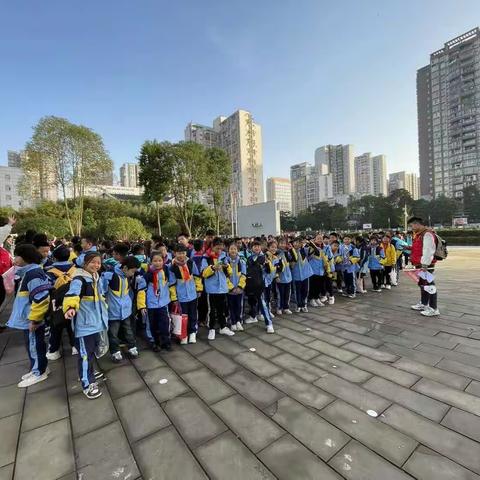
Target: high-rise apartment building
279 190
14 159
129 175
379 168
310 185
448 98
406 181
371 175
340 162
10 181
241 138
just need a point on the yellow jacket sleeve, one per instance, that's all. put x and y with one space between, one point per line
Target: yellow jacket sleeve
242 281
208 272
39 309
198 284
173 293
141 300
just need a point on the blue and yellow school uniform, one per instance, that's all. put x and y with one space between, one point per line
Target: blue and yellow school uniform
237 279
56 269
284 280
31 305
216 282
80 260
349 265
301 272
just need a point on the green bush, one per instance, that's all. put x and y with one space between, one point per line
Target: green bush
125 228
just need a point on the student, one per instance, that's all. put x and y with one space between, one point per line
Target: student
29 310
236 285
85 307
389 261
60 274
185 286
215 272
208 242
301 272
88 244
270 274
138 251
182 239
350 259
166 255
40 241
374 262
158 299
362 247
202 302
320 269
336 265
284 278
116 284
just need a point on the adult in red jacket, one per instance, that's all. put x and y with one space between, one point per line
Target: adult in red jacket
423 258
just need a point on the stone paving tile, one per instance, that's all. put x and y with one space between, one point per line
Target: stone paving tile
304 392
56 378
425 464
12 373
164 456
105 453
32 462
343 370
6 472
351 327
460 368
259 392
289 459
433 373
451 396
464 358
426 406
380 438
268 337
327 337
207 385
305 370
195 422
352 394
226 457
9 428
218 362
370 352
124 380
44 407
163 392
293 335
197 348
473 388
467 349
228 346
263 349
356 337
423 357
181 361
332 351
148 360
296 349
13 354
11 400
382 370
357 462
436 340
138 425
458 448
395 339
258 365
316 434
248 423
463 422
87 416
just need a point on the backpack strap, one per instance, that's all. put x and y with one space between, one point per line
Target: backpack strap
39 289
56 271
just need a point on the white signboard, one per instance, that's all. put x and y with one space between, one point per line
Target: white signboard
258 219
367 226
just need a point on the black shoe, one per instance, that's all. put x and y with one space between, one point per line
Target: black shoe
155 347
167 348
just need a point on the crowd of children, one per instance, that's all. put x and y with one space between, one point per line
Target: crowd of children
124 290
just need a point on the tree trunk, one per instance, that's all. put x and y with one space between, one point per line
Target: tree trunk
157 206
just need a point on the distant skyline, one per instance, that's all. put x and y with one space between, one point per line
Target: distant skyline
311 73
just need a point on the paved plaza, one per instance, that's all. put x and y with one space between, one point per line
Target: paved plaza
254 406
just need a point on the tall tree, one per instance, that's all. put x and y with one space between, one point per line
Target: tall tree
218 177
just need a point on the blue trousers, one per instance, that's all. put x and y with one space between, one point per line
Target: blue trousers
36 349
86 357
235 308
257 305
190 309
301 292
284 295
158 326
349 278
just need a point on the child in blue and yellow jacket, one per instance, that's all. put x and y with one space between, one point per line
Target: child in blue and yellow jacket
376 256
29 311
119 299
84 305
158 299
284 277
349 265
320 264
301 272
236 285
185 287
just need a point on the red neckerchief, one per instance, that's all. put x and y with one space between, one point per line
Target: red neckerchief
156 274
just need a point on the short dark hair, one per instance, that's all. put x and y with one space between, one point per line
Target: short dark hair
75 239
89 238
217 241
137 248
256 242
180 248
182 234
333 234
77 248
197 245
210 232
336 242
61 253
131 262
121 249
90 256
29 253
416 220
40 240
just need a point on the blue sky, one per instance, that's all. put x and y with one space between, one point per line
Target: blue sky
311 72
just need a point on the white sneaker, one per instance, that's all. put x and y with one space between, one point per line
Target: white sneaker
331 300
226 331
340 290
319 303
133 352
352 296
279 312
260 318
313 303
419 306
54 355
383 287
271 314
239 327
270 329
32 380
233 327
287 312
305 310
192 338
298 309
184 341
388 287
27 375
74 351
211 334
430 312
323 299
251 320
117 357
92 391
